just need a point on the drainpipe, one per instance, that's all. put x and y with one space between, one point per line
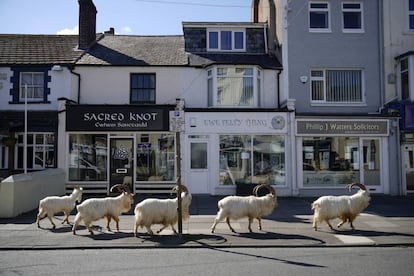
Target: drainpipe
278 88
79 80
265 38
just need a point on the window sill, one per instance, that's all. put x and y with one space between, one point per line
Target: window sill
31 102
339 104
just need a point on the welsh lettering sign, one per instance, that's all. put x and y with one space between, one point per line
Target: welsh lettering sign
116 118
338 127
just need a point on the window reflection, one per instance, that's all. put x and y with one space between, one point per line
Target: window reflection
252 159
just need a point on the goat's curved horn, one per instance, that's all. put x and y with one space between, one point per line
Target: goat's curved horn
116 186
360 185
260 186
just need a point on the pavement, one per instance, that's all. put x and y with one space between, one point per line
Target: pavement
387 221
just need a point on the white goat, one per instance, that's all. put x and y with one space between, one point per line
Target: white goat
346 208
161 211
52 205
236 207
93 209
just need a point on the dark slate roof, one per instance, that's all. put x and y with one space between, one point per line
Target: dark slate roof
206 59
137 51
18 49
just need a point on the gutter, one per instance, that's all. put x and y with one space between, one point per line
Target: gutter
79 80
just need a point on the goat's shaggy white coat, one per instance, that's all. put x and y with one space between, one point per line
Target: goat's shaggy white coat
346 208
161 211
252 207
94 209
52 205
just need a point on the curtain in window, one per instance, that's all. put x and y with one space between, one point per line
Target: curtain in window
343 86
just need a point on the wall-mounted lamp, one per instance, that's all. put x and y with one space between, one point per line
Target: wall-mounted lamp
57 68
303 79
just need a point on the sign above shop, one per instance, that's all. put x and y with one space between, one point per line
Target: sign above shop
339 127
116 118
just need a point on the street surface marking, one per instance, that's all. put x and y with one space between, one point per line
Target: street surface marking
354 239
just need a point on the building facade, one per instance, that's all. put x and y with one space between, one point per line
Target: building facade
332 68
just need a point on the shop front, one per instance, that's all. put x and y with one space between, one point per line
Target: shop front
229 152
332 153
112 144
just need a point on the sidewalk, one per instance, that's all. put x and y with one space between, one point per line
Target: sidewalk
388 221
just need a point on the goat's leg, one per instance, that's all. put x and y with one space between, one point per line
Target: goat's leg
341 223
76 223
352 225
136 229
66 217
51 221
218 218
250 225
315 224
149 230
116 219
108 220
41 215
329 224
88 226
260 223
231 228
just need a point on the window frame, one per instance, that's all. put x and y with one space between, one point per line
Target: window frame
213 86
410 16
36 147
325 82
359 10
319 10
32 86
152 90
220 31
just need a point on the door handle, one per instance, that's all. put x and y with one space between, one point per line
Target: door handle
121 170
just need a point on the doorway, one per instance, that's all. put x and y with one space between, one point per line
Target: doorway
371 171
198 165
122 162
408 167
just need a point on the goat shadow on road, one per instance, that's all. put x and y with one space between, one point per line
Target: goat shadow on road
277 236
165 240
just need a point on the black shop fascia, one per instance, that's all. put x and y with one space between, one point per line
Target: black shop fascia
109 118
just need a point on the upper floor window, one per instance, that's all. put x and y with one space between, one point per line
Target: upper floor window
233 86
31 86
411 15
226 40
405 88
143 88
336 86
319 17
352 18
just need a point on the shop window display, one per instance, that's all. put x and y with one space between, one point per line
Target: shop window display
336 161
155 157
88 157
252 159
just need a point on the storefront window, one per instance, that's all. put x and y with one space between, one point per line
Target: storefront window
252 159
155 157
40 150
88 157
332 161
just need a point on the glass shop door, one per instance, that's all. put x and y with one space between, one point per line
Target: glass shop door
121 162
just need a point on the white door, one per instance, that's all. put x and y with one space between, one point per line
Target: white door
408 167
371 165
197 165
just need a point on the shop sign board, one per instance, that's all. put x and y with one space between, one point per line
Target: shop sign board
342 127
116 118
